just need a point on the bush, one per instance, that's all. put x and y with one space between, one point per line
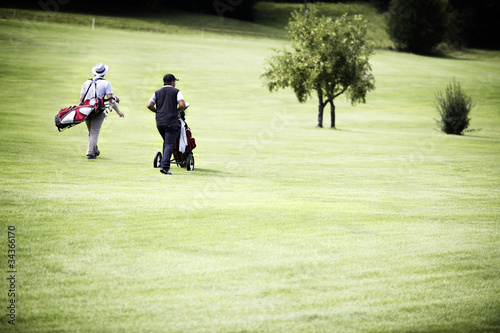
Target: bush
417 26
454 108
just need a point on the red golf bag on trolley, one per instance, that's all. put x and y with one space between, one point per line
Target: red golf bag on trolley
183 147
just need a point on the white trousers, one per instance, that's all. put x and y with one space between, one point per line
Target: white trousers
94 124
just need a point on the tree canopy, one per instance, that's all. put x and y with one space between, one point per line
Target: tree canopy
417 26
329 57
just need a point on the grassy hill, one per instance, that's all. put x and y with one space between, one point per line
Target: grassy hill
384 224
270 20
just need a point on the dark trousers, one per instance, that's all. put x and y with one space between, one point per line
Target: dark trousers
169 135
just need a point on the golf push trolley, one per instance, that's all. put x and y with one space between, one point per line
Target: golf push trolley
182 154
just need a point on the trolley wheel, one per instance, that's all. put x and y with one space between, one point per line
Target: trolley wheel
157 160
190 163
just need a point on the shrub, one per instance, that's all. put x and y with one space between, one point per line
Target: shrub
454 108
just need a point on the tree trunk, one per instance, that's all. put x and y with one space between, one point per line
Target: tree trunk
332 113
321 106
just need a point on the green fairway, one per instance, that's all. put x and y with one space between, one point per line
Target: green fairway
381 225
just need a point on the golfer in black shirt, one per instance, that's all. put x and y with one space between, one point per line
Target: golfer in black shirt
164 103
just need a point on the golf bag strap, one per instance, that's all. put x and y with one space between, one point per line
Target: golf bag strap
90 85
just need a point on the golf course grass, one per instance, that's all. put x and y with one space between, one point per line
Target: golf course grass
383 224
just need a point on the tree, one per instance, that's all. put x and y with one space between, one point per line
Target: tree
329 57
417 26
475 22
381 5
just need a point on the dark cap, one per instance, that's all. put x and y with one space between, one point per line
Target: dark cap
169 78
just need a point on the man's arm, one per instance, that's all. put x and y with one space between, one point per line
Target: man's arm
182 105
115 106
151 106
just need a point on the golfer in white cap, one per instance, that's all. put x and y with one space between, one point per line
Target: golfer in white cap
100 88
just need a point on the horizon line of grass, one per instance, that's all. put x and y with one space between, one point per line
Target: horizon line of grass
270 22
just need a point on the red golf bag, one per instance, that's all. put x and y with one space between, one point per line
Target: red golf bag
74 115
